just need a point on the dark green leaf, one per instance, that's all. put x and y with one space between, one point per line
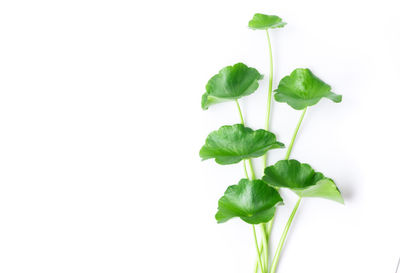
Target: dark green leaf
253 201
233 143
231 83
302 179
302 89
263 21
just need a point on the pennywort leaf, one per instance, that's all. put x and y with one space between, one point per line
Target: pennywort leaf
302 89
231 83
253 201
232 143
302 179
263 21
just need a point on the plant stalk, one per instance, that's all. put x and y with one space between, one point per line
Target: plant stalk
256 262
283 238
269 226
245 169
269 99
240 112
258 249
289 150
267 230
263 228
253 174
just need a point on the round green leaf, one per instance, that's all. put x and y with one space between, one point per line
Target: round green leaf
231 83
302 89
263 21
232 143
302 179
253 201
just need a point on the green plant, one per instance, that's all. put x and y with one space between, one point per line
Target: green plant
254 200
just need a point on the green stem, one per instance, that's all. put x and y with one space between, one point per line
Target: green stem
245 169
263 228
258 249
269 229
240 112
283 238
256 262
271 75
289 150
253 174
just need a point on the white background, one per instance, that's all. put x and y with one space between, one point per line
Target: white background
100 128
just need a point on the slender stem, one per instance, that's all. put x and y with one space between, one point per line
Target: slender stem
398 265
258 249
289 150
269 99
271 75
256 262
253 174
245 169
240 111
269 226
283 238
263 228
269 229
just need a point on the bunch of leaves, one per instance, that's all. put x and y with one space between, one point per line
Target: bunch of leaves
254 200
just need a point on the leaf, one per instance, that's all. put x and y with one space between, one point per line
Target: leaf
231 83
324 188
233 143
302 179
253 201
263 21
302 89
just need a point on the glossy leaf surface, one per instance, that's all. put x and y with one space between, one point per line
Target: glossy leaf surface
231 83
302 89
233 143
302 179
263 21
252 201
